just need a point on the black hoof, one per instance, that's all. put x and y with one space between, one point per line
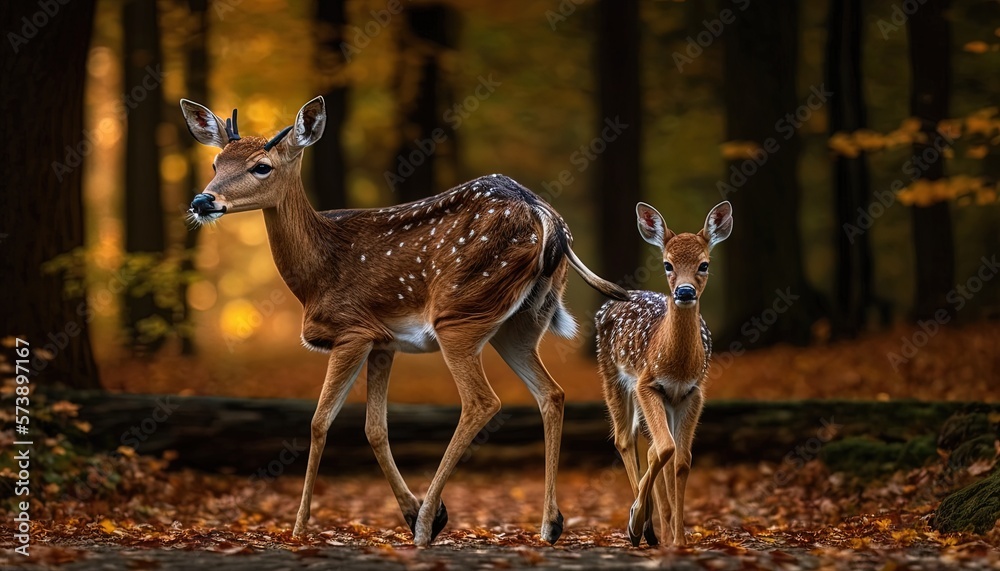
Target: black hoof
635 538
650 535
555 529
440 520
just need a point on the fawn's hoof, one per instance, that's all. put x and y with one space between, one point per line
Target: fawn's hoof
551 531
440 520
635 529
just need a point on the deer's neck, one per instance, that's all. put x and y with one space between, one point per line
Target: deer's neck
679 342
297 235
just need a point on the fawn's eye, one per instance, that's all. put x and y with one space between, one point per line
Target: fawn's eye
213 167
668 266
261 169
703 268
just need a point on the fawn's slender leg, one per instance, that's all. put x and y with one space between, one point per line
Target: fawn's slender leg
664 500
479 405
688 412
345 363
660 451
622 410
377 430
521 354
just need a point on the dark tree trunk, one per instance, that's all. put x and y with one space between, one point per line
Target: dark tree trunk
431 29
767 296
852 191
41 215
619 166
329 188
144 232
196 85
930 71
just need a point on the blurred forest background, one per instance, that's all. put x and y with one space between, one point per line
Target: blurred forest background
871 131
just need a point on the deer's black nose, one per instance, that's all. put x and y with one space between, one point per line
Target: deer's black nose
203 203
685 292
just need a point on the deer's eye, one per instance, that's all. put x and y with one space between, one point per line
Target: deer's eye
261 169
703 268
668 266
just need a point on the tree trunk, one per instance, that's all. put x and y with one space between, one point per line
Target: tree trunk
144 232
196 85
767 296
329 189
852 192
425 134
930 71
619 166
41 215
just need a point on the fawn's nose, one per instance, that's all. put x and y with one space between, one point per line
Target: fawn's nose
685 294
203 203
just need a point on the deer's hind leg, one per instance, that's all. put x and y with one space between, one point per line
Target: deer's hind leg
517 343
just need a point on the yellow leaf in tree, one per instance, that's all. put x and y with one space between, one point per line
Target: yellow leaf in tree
977 47
738 150
977 152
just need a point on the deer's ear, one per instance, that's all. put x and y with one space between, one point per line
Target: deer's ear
309 124
652 228
718 224
205 126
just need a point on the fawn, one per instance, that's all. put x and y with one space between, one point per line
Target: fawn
485 262
653 353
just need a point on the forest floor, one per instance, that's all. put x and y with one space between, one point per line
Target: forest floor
953 364
739 517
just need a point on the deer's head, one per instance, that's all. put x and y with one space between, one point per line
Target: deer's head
251 173
685 256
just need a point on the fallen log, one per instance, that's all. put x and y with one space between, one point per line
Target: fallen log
244 435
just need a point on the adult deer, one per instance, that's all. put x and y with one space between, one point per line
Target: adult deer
653 353
485 262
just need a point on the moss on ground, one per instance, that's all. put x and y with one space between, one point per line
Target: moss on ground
868 459
974 508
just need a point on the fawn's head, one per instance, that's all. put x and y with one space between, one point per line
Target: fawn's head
251 173
685 256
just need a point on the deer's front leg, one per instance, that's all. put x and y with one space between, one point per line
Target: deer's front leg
688 412
377 430
345 363
661 449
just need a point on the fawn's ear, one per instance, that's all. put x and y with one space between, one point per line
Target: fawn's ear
205 126
652 228
718 224
309 125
